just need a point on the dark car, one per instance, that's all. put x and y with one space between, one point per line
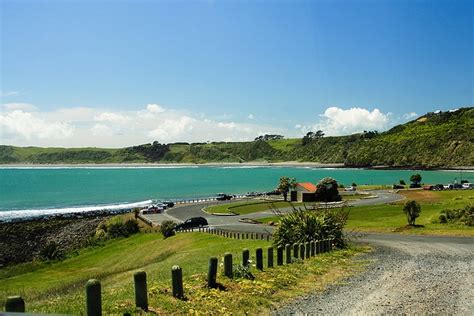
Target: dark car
192 222
398 186
169 203
223 197
415 185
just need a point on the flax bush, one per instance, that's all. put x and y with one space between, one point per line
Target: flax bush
302 225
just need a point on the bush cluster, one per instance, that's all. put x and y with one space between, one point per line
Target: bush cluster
463 216
51 251
302 225
116 227
167 228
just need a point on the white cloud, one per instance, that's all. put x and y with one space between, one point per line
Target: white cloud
336 121
29 126
410 115
155 108
111 117
83 126
251 117
27 107
5 94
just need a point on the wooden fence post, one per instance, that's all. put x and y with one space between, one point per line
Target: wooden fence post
228 265
280 255
288 253
259 257
93 298
295 250
302 249
245 257
212 273
312 245
177 281
307 250
270 257
15 304
141 295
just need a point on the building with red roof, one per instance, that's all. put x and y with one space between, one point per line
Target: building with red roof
303 192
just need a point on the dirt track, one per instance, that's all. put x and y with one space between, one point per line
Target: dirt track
409 275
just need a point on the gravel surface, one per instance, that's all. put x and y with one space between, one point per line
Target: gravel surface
409 275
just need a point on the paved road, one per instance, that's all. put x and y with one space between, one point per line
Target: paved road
408 275
181 213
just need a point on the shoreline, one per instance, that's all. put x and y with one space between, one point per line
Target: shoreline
289 164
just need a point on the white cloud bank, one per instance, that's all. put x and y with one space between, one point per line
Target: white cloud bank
25 125
336 121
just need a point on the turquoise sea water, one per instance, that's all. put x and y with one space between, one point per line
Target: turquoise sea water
27 189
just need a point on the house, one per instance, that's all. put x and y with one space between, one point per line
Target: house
303 192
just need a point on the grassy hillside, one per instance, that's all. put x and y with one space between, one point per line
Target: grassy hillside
444 139
58 287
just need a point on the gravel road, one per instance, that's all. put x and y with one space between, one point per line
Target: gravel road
409 275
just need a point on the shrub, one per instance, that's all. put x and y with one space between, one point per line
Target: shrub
51 251
412 210
167 228
443 219
402 182
301 225
243 272
327 190
463 216
115 227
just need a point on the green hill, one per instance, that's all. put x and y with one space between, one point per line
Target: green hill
434 140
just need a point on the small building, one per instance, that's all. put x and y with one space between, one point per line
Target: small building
303 192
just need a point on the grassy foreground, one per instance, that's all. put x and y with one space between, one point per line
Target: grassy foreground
59 287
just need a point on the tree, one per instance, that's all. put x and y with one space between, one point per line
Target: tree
412 210
285 185
310 136
415 178
326 190
402 182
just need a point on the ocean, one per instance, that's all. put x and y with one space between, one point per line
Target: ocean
40 190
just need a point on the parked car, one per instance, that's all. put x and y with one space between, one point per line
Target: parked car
415 185
351 188
223 197
448 186
152 209
398 186
191 223
468 186
438 187
168 203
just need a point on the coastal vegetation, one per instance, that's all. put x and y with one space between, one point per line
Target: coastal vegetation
434 140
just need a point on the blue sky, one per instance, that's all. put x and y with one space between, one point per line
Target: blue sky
113 73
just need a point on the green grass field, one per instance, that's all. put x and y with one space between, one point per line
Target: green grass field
390 217
58 287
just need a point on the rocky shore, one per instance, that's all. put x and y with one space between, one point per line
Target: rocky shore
22 241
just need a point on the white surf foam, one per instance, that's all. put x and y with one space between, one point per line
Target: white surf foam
29 213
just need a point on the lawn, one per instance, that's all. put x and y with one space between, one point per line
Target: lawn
58 287
390 217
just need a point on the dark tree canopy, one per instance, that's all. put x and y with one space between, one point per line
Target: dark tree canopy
412 210
267 137
310 136
415 178
327 190
285 185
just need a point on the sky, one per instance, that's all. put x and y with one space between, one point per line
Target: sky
120 73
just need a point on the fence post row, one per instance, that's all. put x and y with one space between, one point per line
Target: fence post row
295 250
307 250
302 250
